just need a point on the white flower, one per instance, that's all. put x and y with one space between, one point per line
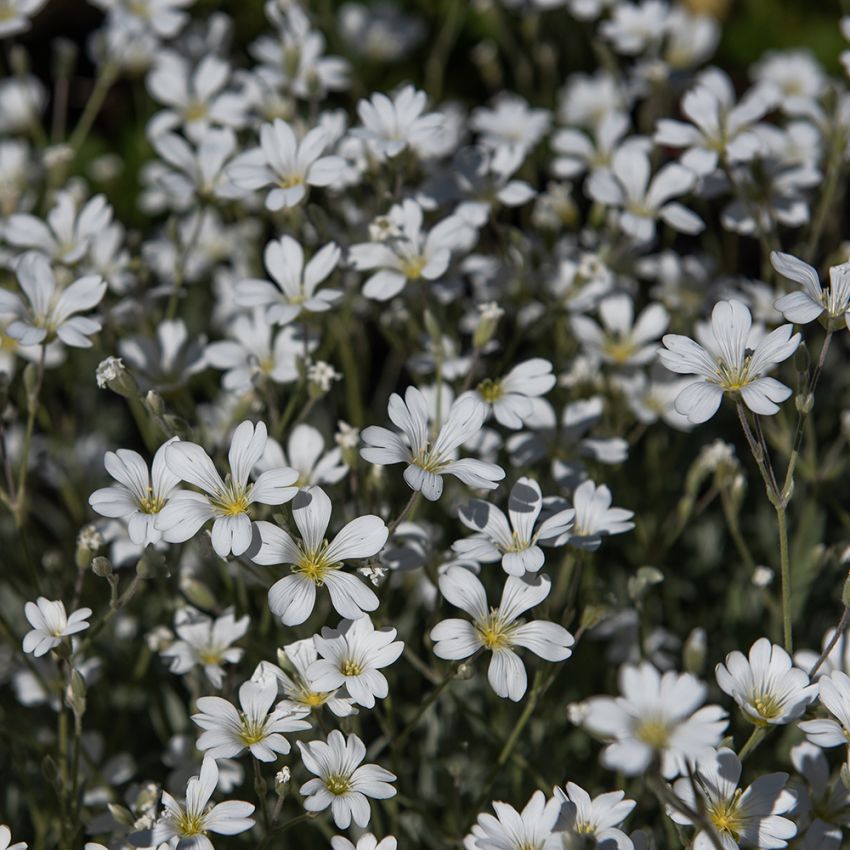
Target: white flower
814 300
621 340
595 518
229 732
305 453
51 625
206 642
294 287
297 683
626 186
515 545
163 17
391 125
633 27
191 822
823 802
720 128
353 655
768 689
511 122
16 19
195 97
728 363
68 234
198 172
286 164
751 818
256 353
577 153
512 399
428 460
497 629
6 837
583 818
837 659
365 842
139 496
226 502
406 253
316 562
530 829
834 694
48 311
167 361
343 782
657 717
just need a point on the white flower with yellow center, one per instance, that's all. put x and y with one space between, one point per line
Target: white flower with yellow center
729 362
295 284
191 822
205 642
497 630
832 304
768 689
48 312
748 817
353 656
287 164
225 501
515 398
514 544
406 253
531 829
658 718
51 625
593 822
428 460
621 340
139 496
316 562
294 679
230 732
344 784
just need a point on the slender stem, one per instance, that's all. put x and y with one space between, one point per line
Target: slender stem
104 81
260 788
756 737
180 270
839 631
414 498
833 171
33 397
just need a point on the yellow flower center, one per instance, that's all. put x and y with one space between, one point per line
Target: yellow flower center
411 267
315 565
726 815
767 706
654 733
490 390
252 732
338 784
350 667
195 112
209 656
233 500
619 350
151 504
190 824
494 633
290 180
314 699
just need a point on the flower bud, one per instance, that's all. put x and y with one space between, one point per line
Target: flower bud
101 567
197 593
112 373
89 541
845 592
281 781
487 323
154 403
694 651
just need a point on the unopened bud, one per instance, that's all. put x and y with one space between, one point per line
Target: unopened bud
464 670
320 377
101 567
89 540
762 576
281 781
198 593
121 814
112 373
694 652
804 403
30 380
802 361
845 776
154 403
487 323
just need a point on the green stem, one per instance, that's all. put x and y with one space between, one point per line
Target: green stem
414 498
33 397
104 81
756 737
785 577
839 631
